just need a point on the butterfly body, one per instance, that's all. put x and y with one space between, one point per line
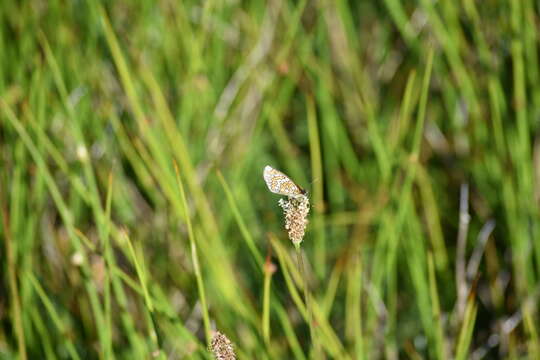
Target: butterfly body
281 184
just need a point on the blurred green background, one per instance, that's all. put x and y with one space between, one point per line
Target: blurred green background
412 124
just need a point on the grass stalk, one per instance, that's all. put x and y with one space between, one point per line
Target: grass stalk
12 281
195 260
268 271
307 300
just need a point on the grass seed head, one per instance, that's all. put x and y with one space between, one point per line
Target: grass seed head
222 347
295 210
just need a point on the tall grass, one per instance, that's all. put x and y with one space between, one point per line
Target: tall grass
412 124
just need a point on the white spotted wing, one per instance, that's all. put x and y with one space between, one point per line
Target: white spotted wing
281 184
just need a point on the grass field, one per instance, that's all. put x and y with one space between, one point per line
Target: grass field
135 218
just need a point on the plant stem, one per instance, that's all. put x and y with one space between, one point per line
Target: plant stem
307 299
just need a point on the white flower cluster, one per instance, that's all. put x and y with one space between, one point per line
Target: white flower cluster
295 209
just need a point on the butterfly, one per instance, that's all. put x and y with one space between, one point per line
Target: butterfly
279 183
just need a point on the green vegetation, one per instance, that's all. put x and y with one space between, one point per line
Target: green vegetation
135 219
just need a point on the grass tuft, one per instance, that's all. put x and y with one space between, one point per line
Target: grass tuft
135 221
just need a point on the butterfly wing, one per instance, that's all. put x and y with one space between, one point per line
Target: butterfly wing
279 183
